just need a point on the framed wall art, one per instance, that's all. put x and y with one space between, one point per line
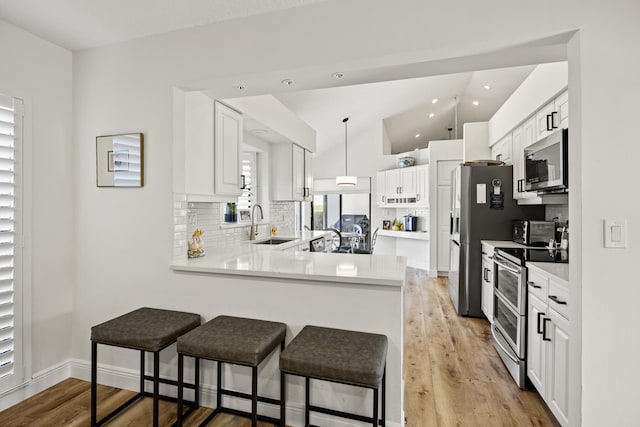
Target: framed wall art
120 160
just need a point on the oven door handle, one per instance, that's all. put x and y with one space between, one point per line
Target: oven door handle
497 340
506 266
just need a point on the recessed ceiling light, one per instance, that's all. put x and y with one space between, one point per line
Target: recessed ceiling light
434 100
431 115
239 87
338 75
287 82
259 131
487 87
417 135
476 103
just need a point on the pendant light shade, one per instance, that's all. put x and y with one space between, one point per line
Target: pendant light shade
346 179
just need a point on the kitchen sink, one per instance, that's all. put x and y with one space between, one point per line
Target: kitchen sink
273 241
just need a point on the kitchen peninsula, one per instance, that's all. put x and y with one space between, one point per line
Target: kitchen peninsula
282 283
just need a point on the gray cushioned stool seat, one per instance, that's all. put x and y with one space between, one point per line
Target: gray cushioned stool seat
148 329
349 357
233 340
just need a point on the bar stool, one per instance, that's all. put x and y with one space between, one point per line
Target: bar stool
339 356
144 329
235 340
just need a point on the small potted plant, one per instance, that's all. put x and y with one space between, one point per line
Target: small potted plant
230 214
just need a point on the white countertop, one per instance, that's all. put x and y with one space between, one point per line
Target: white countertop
417 235
274 261
503 244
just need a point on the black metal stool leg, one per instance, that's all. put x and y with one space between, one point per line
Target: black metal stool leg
196 382
180 388
375 407
283 397
142 371
384 395
156 387
254 396
307 421
219 392
94 382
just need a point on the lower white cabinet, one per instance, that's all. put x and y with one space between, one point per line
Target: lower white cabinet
548 342
487 282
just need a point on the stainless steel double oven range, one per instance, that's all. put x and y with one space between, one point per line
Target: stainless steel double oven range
509 327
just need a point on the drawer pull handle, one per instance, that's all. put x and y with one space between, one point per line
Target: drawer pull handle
556 300
533 285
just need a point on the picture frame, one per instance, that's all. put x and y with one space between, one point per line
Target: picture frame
386 224
120 160
244 215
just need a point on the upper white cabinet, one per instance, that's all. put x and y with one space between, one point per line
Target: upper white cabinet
228 140
518 160
291 173
553 116
404 186
213 136
529 132
502 150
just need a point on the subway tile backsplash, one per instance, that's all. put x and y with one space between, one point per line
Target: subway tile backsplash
187 216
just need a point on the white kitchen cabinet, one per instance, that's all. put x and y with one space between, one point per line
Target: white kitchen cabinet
553 116
213 136
562 107
518 160
422 185
405 186
502 150
536 348
228 140
529 132
291 172
444 216
548 341
558 372
487 282
381 188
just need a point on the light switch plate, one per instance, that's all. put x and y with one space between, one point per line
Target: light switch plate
615 233
481 194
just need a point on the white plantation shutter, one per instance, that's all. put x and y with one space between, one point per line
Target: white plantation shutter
248 170
11 372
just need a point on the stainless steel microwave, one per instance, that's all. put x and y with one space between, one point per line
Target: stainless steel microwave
546 164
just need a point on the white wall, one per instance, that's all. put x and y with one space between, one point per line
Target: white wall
124 245
40 72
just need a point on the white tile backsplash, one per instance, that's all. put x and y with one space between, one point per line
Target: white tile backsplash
208 217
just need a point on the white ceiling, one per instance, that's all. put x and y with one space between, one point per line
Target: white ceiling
404 106
83 24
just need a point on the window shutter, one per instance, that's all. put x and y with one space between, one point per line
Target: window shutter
248 170
10 322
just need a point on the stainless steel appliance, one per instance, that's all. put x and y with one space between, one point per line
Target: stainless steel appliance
510 304
546 164
410 223
533 233
482 208
510 315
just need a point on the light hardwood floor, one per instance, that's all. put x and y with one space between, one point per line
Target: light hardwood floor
453 377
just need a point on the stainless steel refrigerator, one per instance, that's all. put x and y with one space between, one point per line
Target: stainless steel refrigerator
482 208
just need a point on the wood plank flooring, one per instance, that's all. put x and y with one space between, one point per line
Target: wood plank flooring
453 377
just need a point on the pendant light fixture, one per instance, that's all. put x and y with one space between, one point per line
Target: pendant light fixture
346 180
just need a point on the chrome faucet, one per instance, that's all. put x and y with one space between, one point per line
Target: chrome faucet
253 232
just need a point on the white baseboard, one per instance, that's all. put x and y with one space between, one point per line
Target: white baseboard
39 382
128 379
433 273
